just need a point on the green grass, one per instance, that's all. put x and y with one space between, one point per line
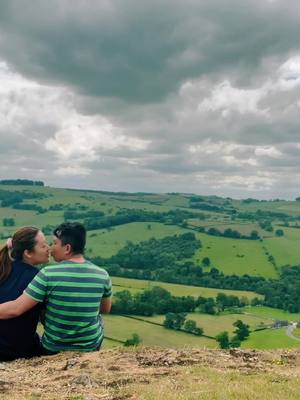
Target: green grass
270 339
296 332
135 285
220 383
285 249
286 207
214 324
121 328
29 218
109 344
236 256
106 243
274 313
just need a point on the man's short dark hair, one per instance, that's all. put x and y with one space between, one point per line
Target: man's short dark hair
72 233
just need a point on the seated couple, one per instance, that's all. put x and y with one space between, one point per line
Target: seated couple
70 294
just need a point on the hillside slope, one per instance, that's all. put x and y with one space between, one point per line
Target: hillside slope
155 373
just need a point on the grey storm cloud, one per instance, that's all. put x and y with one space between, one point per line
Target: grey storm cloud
141 51
193 96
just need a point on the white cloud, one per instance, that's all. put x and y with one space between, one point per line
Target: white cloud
289 72
226 98
269 151
231 160
27 107
72 171
251 183
208 146
83 139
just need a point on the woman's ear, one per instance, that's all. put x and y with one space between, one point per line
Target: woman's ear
27 254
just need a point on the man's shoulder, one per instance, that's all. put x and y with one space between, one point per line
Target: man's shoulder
59 267
101 270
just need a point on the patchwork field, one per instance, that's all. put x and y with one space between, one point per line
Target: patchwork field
236 256
269 339
135 285
214 324
122 328
231 256
106 243
286 249
273 313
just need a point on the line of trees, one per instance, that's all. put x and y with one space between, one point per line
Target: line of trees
75 215
15 198
229 233
125 216
21 182
178 321
158 300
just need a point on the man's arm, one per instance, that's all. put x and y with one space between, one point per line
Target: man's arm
105 305
13 309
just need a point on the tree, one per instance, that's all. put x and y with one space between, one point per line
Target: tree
206 262
256 301
254 235
179 320
124 302
223 340
209 307
242 330
235 342
134 340
279 232
8 222
191 326
174 320
169 321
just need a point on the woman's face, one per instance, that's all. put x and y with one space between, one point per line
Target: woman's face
41 252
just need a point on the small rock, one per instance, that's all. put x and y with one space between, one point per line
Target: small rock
84 364
70 364
114 368
84 380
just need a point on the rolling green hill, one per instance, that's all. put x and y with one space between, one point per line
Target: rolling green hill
139 217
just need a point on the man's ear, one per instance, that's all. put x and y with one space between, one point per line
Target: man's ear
68 248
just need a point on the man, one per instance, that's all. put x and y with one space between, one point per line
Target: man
74 290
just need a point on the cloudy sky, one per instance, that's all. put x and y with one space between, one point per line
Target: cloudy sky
197 96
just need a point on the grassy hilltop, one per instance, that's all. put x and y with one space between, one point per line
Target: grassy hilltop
147 373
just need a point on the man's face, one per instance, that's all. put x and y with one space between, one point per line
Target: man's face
59 251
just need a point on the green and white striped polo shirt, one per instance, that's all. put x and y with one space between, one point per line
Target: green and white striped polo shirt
72 293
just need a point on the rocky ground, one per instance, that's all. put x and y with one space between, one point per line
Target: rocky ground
154 373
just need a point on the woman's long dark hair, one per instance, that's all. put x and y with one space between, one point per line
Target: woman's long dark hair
23 239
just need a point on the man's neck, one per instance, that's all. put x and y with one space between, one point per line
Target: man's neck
76 258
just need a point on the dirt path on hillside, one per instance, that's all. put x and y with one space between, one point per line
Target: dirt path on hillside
289 332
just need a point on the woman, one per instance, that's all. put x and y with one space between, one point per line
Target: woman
18 259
